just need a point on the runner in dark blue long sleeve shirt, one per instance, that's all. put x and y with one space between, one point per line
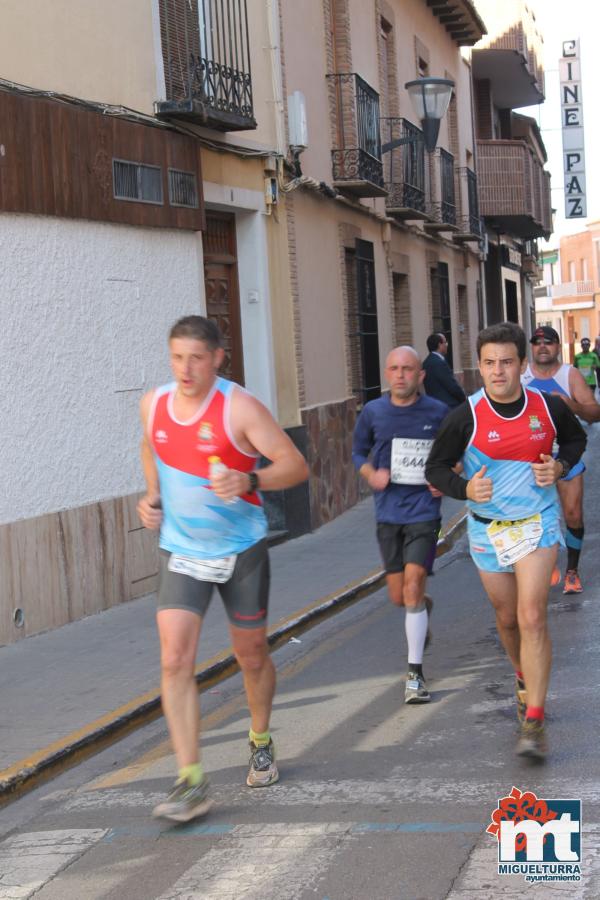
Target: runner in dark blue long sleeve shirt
392 439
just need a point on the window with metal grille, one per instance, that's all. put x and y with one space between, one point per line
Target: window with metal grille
361 316
136 181
182 189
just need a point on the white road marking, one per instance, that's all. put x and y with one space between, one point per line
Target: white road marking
479 879
399 788
245 861
250 860
28 861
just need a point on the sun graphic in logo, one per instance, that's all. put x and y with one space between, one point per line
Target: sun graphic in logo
534 423
205 432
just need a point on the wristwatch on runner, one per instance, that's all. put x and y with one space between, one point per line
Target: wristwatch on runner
566 467
253 478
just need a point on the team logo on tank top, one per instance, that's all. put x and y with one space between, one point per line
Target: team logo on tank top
536 428
206 437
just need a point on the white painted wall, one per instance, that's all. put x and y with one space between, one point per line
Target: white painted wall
85 310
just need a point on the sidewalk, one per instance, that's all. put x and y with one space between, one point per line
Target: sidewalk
77 681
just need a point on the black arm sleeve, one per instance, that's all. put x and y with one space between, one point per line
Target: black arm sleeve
448 447
570 436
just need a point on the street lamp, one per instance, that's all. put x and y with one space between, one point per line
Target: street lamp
430 97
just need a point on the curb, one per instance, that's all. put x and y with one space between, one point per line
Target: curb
19 781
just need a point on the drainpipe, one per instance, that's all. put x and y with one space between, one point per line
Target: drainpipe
274 50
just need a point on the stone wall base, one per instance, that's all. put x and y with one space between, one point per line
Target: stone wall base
62 566
334 486
58 568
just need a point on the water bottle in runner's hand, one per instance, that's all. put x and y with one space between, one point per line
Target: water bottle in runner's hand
217 467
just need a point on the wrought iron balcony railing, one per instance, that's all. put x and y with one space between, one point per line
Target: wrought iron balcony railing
404 170
356 149
206 58
531 248
469 222
448 201
441 208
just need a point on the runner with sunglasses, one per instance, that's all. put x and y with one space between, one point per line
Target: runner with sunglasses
547 373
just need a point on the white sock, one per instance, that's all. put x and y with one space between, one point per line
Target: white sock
415 624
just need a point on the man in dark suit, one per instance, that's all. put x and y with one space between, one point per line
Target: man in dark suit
439 378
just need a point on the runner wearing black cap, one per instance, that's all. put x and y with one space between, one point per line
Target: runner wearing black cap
547 373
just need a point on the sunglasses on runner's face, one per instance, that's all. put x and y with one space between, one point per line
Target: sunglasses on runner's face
539 341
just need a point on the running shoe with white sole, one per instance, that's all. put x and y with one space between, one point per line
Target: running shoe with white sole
415 691
184 802
573 583
263 768
532 740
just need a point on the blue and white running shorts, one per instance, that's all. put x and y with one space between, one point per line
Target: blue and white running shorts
578 469
482 550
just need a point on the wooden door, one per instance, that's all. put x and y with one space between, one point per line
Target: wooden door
222 289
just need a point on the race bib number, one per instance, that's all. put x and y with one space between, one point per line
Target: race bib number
514 540
409 456
217 570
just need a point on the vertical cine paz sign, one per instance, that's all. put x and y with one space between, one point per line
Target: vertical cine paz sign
571 104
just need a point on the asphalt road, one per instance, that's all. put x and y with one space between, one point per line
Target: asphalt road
376 799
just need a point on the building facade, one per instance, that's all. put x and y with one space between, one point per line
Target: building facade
514 187
134 155
170 157
568 298
384 246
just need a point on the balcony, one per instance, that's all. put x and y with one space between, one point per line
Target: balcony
510 57
206 59
470 223
568 295
356 153
531 261
441 207
404 171
571 289
514 189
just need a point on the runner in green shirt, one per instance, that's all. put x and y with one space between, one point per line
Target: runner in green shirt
587 362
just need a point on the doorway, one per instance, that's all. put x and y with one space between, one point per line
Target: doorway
221 285
512 301
441 316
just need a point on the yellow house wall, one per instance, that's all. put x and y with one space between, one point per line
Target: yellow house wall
110 52
103 52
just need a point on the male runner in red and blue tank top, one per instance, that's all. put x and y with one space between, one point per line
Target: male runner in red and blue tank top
212 533
503 436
